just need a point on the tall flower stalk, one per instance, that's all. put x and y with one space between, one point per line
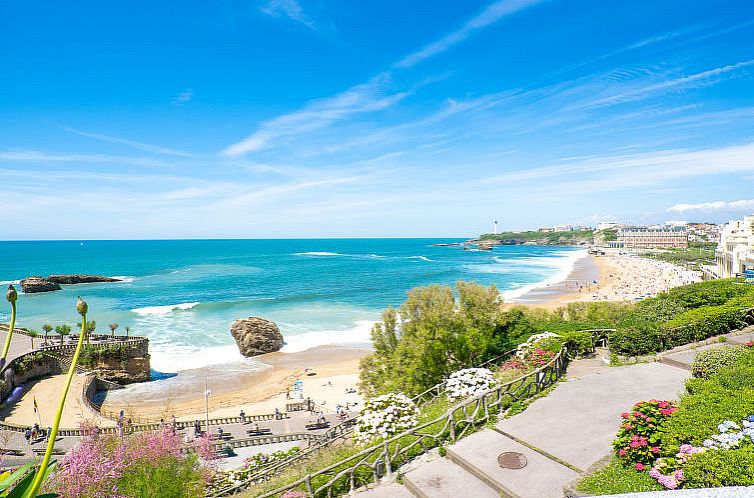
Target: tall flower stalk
12 297
82 309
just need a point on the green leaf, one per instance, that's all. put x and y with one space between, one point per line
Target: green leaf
8 480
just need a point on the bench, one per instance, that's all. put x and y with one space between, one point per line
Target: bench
40 451
11 452
318 425
259 432
226 436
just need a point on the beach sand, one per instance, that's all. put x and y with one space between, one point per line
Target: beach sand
326 372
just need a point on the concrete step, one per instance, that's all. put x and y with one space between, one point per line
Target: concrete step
393 490
540 478
442 478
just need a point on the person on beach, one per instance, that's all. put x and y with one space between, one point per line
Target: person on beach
242 415
278 415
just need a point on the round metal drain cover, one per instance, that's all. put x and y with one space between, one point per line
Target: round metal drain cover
512 460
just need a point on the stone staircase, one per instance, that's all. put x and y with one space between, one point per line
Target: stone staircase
538 452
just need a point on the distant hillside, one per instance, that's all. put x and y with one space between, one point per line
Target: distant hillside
575 238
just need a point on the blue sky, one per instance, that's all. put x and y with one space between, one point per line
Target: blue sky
296 118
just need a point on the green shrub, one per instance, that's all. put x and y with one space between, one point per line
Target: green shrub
635 341
710 361
727 395
720 468
703 323
583 342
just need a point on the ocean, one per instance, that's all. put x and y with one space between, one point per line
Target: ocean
185 294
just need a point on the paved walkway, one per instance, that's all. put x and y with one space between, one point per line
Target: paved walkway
560 435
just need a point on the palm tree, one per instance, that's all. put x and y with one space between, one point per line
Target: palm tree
47 328
113 326
32 334
62 330
127 329
88 329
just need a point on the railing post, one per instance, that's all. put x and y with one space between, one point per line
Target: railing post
309 488
452 427
388 470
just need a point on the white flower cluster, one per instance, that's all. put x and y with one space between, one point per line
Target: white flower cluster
468 382
731 435
384 416
525 348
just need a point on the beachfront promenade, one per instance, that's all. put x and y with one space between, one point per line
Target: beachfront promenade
560 436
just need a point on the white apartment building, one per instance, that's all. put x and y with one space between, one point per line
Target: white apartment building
735 251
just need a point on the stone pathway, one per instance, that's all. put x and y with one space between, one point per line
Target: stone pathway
560 435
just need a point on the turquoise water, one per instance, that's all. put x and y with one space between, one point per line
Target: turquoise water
184 295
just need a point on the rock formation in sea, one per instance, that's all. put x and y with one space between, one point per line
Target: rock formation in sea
256 336
52 283
38 284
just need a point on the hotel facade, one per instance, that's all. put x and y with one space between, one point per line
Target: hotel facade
653 238
735 251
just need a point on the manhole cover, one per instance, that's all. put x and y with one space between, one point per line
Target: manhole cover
512 460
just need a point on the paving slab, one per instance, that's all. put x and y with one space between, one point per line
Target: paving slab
742 337
578 420
684 358
393 490
540 478
442 478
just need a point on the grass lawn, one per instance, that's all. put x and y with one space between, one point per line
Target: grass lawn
615 479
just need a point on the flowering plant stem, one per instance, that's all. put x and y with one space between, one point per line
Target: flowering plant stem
54 431
11 326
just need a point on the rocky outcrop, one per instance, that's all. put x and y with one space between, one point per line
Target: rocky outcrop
38 284
52 283
80 279
256 336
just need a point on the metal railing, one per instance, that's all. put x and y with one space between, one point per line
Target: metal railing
515 390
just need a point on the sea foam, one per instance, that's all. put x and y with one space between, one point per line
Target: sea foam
163 310
562 267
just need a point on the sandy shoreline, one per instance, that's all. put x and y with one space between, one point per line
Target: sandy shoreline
326 372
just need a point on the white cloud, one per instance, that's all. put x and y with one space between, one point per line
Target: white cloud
740 205
36 156
183 97
490 15
131 143
288 8
363 98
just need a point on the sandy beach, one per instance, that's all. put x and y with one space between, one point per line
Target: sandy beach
612 277
326 373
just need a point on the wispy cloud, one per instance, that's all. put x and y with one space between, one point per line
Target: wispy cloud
291 9
740 205
131 143
36 156
183 97
488 16
684 82
366 97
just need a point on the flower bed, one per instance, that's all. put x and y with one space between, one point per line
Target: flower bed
638 438
710 361
468 382
385 416
226 479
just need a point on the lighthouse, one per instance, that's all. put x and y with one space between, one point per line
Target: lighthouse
494 228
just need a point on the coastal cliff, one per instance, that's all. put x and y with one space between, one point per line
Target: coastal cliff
572 238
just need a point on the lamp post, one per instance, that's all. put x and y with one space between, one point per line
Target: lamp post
207 392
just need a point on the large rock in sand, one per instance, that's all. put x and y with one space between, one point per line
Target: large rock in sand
256 335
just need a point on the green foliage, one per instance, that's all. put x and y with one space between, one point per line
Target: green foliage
610 234
173 477
91 355
436 336
18 483
617 478
727 395
710 361
542 238
638 438
721 468
25 363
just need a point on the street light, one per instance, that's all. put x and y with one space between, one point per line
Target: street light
207 392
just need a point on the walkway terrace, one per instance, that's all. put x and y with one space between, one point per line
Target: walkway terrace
560 435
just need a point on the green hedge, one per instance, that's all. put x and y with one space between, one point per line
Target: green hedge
727 395
720 468
711 361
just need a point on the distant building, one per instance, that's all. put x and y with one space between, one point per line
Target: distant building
735 251
556 228
606 226
666 237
